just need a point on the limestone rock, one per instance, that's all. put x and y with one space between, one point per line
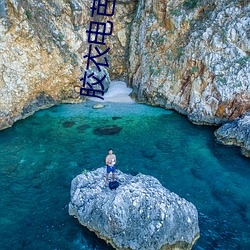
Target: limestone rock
192 56
236 133
139 214
98 106
122 37
99 75
42 48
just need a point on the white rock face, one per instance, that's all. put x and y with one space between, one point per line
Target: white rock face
194 59
140 214
236 133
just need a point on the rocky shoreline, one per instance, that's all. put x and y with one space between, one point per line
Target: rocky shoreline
187 56
236 133
140 214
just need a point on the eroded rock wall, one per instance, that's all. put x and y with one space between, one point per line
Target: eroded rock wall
192 56
42 45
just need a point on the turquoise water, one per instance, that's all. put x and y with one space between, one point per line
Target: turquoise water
39 156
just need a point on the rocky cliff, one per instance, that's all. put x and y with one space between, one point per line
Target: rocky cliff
192 56
42 45
236 133
140 214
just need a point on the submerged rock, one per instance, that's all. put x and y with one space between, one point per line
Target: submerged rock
109 130
114 118
148 153
82 128
236 133
140 214
68 124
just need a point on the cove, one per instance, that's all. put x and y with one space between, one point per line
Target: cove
39 156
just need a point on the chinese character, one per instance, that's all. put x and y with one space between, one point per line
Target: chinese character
92 58
91 91
98 32
103 6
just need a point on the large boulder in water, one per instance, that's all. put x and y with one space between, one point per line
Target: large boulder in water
236 133
139 214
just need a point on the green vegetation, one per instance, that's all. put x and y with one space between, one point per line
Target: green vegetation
161 40
179 53
66 46
28 14
60 37
243 60
174 71
170 55
175 12
74 61
154 15
194 69
154 71
151 69
158 71
190 4
222 80
223 34
137 18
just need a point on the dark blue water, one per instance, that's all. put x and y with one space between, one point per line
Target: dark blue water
39 156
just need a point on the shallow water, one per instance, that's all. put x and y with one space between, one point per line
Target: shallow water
39 156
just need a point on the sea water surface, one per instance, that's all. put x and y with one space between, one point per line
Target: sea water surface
39 156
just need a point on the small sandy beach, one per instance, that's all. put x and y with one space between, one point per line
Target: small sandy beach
117 92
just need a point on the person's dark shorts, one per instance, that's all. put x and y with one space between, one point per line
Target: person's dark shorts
110 169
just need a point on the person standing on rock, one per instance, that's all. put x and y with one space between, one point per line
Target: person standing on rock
110 164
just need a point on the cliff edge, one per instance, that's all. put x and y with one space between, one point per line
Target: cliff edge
192 56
